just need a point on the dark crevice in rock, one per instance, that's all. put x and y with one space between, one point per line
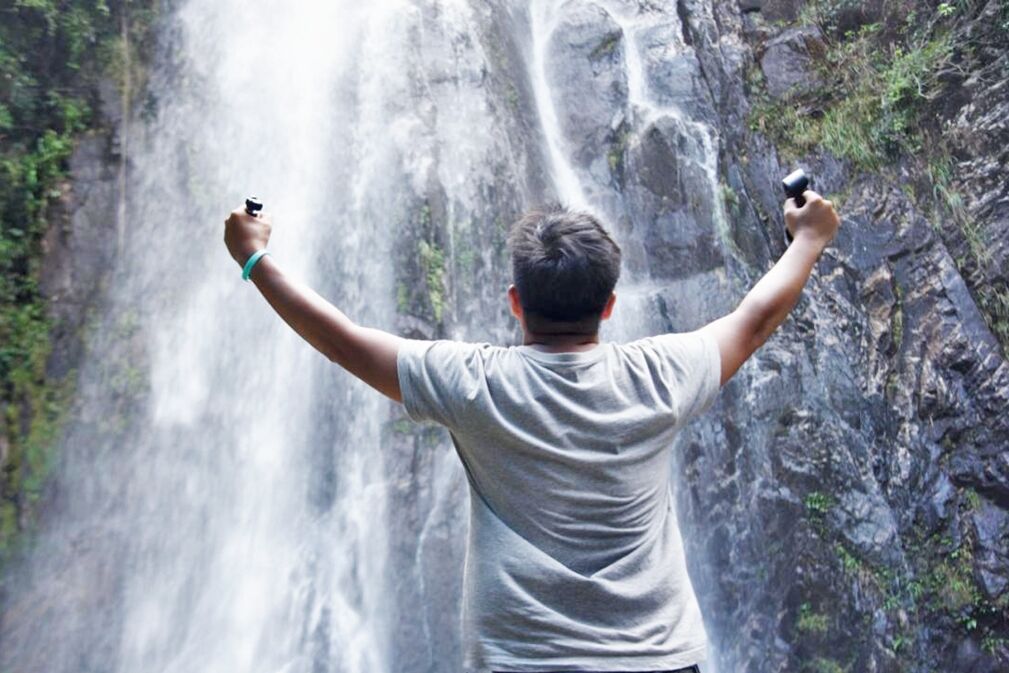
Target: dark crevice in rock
684 16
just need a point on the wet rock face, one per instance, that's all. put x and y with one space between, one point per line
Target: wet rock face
866 428
80 249
845 504
772 10
671 71
588 78
977 120
787 62
671 201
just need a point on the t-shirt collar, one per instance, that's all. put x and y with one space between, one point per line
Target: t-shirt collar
568 357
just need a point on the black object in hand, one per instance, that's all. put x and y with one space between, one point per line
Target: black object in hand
253 206
795 184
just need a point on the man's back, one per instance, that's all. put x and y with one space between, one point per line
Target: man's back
575 559
574 556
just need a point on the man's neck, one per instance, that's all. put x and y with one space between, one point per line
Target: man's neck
560 343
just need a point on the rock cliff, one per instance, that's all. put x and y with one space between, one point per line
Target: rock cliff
846 503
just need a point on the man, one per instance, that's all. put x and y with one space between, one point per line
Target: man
574 559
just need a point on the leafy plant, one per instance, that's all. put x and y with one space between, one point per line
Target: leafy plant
52 55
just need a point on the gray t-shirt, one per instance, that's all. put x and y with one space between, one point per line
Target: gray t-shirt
574 559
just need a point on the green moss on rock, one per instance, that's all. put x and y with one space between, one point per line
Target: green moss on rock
53 54
810 622
432 260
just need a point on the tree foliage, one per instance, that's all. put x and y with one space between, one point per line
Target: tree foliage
53 54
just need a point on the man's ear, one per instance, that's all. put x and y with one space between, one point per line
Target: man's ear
608 309
514 303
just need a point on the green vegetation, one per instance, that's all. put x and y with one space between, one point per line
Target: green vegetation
432 261
52 55
465 256
877 106
897 320
992 643
402 426
825 665
607 46
512 96
849 562
937 586
402 298
940 173
812 623
614 158
946 584
868 108
427 260
873 107
949 588
729 198
993 299
971 499
818 504
618 142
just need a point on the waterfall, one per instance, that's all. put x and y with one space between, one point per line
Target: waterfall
228 500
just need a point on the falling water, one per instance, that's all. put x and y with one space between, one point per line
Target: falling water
227 499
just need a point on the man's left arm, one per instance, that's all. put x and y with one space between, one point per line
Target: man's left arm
367 353
769 302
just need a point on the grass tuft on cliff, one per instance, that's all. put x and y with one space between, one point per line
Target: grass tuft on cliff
878 104
869 105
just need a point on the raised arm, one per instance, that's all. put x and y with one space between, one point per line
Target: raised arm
369 354
767 305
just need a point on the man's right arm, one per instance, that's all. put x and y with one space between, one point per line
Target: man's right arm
367 353
770 301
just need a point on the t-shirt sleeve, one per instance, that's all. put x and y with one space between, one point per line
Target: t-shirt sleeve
691 370
437 379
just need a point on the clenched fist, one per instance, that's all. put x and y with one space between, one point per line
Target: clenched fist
816 220
244 234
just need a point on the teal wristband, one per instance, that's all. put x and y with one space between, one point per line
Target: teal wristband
256 256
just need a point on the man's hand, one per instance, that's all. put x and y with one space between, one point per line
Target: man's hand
770 301
816 220
245 234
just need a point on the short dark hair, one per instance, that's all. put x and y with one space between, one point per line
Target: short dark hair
565 267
